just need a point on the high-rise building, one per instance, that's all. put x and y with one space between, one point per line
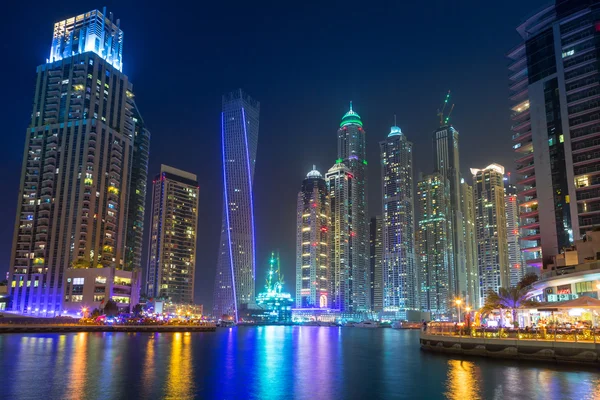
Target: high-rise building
343 265
376 262
400 290
469 236
236 266
490 225
174 229
515 260
77 173
556 129
312 241
446 161
352 152
433 238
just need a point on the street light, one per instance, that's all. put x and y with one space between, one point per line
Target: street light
458 302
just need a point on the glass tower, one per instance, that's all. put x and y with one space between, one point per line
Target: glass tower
236 266
312 237
376 262
77 169
352 153
400 292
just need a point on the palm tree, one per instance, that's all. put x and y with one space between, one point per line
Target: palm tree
509 299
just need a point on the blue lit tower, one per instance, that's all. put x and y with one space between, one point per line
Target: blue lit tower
236 266
78 167
352 153
400 292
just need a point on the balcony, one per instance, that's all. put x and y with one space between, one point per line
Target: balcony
524 168
524 158
532 225
531 249
528 192
520 137
522 125
527 179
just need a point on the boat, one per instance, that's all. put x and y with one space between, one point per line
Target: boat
367 324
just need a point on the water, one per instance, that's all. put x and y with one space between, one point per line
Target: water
268 363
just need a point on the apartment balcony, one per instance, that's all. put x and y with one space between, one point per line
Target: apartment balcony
521 83
529 203
520 95
520 126
527 180
535 262
584 159
524 168
524 159
528 192
533 225
533 249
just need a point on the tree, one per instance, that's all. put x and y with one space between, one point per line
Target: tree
111 308
511 298
137 309
80 263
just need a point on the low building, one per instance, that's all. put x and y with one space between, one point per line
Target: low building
182 310
91 288
273 305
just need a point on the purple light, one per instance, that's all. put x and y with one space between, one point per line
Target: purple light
251 196
227 217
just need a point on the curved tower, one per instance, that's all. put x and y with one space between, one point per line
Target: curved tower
236 268
352 153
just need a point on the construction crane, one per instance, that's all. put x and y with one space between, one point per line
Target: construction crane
445 119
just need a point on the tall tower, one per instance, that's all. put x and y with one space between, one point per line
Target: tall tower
343 265
172 254
469 236
400 291
312 237
77 168
446 159
515 260
236 266
490 217
352 152
433 241
376 254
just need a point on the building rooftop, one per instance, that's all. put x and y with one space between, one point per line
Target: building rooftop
351 118
314 173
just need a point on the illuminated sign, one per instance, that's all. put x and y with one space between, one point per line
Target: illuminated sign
561 297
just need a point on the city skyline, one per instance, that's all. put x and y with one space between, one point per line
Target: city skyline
376 119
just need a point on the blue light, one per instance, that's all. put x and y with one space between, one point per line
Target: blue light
227 216
251 196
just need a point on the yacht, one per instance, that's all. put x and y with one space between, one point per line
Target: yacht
367 324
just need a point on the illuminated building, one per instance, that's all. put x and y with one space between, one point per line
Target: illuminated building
352 152
236 266
433 240
174 228
340 183
446 159
490 225
515 261
77 166
376 262
556 129
469 234
312 237
400 291
274 302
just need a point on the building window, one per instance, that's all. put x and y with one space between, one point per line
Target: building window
78 281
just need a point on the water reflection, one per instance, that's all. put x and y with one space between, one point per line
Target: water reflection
148 368
463 378
79 365
179 383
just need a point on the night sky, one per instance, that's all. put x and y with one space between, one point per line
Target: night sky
304 61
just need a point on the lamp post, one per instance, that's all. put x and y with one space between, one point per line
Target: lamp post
458 302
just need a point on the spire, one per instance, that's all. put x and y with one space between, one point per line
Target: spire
350 105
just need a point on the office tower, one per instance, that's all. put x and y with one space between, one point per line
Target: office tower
136 205
75 181
236 266
174 228
343 266
469 236
433 242
352 152
376 260
312 237
556 129
446 161
490 225
515 261
400 291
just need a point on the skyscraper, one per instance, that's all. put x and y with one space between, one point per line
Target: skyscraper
515 261
376 254
343 265
236 266
352 152
433 242
556 127
77 169
472 264
312 240
400 292
174 228
446 159
490 224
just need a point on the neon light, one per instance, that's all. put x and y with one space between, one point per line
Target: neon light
251 196
227 217
365 162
